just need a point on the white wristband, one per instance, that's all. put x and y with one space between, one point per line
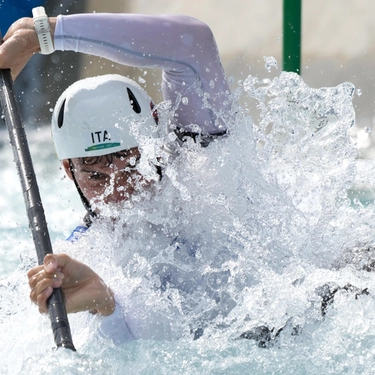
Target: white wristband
42 29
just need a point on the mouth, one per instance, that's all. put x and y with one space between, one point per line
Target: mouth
110 210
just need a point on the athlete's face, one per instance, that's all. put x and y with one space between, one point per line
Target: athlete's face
109 180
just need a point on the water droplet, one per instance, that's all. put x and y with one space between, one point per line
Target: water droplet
271 62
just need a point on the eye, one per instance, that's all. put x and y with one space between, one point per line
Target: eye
97 176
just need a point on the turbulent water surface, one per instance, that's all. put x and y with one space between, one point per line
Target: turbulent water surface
265 235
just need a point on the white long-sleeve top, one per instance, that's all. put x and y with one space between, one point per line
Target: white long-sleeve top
183 47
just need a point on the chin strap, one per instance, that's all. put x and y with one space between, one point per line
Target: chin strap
90 213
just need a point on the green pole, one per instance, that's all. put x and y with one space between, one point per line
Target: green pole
292 10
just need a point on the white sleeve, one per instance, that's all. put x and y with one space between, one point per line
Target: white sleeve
138 321
116 327
183 47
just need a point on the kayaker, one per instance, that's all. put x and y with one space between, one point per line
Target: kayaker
95 121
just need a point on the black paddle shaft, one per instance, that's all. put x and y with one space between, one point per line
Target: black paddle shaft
34 207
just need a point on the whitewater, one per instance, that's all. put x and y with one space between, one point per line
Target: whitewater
254 254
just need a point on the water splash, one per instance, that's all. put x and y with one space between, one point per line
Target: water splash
260 229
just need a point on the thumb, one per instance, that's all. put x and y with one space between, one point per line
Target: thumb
54 262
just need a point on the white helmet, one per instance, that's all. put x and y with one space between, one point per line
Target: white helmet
100 115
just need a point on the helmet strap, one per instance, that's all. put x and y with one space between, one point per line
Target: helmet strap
90 213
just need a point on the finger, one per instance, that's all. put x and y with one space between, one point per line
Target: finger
50 263
42 298
39 276
39 289
42 278
55 262
34 271
33 280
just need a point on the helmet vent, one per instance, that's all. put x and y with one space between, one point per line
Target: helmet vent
60 118
133 101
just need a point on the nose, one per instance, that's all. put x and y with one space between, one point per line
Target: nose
119 189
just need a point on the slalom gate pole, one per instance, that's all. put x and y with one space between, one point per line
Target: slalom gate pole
34 207
292 12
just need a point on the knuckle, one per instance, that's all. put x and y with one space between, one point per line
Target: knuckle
32 296
32 281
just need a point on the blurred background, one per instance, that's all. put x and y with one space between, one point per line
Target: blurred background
337 46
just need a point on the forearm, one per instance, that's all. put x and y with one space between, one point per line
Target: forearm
165 42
